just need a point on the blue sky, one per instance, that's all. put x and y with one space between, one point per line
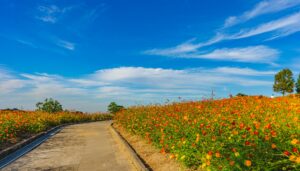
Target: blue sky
87 53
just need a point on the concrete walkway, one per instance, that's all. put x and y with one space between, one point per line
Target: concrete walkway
83 147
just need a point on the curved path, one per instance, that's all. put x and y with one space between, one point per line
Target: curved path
82 147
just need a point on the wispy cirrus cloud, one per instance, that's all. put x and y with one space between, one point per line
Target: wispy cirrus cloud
243 71
282 27
264 7
27 43
50 13
274 29
65 44
252 54
126 84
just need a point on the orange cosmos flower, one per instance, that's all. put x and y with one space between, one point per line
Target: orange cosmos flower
247 163
297 160
292 158
207 162
185 118
294 141
172 156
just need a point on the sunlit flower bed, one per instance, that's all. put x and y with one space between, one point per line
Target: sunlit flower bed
242 133
17 124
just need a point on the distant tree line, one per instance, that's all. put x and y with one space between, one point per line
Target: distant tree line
53 106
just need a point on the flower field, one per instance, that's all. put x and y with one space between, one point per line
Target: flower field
15 125
241 133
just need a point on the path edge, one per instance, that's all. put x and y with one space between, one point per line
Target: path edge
137 162
4 153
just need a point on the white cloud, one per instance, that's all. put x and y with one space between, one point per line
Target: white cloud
129 73
10 85
264 7
48 19
254 54
128 85
66 44
243 71
8 82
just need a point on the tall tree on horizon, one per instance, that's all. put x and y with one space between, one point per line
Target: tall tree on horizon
298 85
284 82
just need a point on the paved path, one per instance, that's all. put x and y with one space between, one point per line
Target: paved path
83 147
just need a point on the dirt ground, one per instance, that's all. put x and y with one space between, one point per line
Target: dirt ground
150 155
83 147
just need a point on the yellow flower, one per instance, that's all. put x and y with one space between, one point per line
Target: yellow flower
208 157
182 157
198 138
237 154
203 165
294 141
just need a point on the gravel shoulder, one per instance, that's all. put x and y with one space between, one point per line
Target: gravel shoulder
78 147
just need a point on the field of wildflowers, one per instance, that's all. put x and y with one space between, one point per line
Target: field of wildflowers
15 125
241 133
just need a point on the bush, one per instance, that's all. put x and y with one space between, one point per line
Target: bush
241 95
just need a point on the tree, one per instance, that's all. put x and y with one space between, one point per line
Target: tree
114 108
50 106
298 85
241 95
284 82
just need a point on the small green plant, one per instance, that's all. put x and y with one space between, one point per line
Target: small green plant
113 108
50 106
